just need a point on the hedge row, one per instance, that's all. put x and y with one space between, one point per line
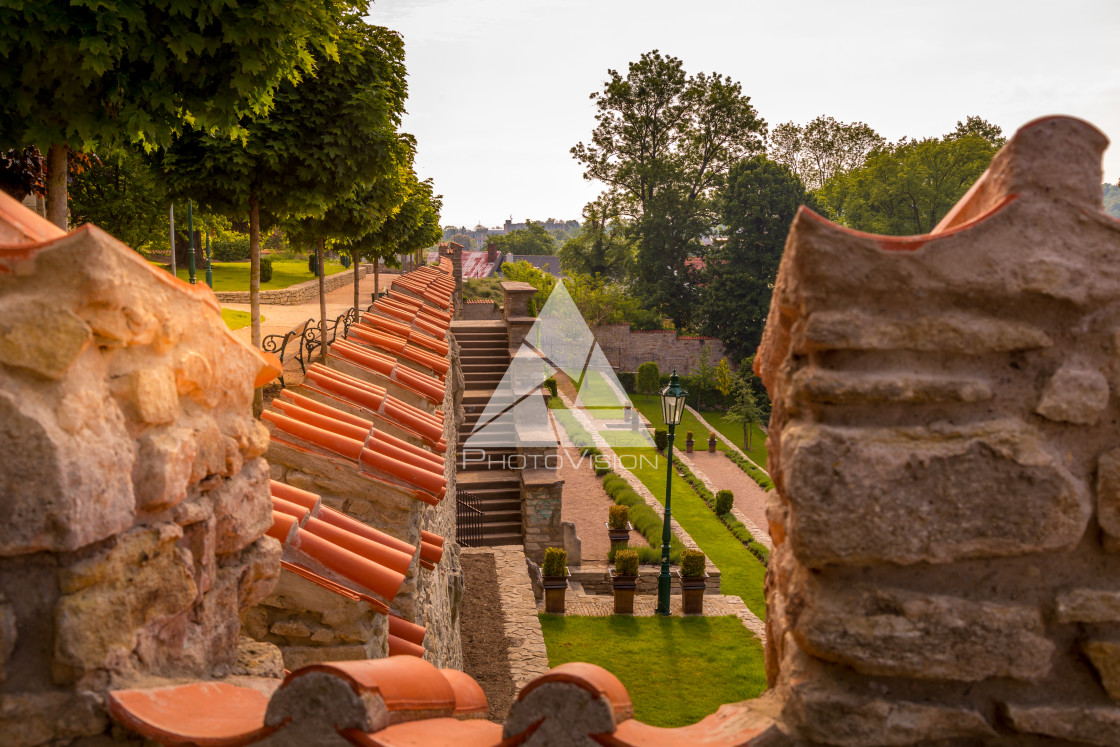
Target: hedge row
752 471
735 526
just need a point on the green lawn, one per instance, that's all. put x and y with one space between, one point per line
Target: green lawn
236 319
734 431
677 669
234 276
489 289
743 574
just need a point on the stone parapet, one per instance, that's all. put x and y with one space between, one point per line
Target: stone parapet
945 563
540 511
294 295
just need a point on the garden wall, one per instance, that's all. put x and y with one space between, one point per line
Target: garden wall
481 309
946 518
294 295
626 349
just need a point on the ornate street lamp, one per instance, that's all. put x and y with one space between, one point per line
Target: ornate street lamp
672 410
190 251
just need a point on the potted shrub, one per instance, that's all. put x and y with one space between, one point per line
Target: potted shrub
618 526
688 442
624 578
712 443
693 580
554 578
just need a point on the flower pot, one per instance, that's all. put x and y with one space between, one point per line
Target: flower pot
688 442
624 588
692 593
711 446
620 538
554 588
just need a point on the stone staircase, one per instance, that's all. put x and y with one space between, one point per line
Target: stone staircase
484 355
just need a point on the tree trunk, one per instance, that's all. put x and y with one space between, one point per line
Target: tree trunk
322 302
376 279
58 160
357 278
172 215
255 286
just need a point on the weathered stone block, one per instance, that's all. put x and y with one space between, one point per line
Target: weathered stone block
1074 395
895 633
844 388
46 349
946 332
149 395
835 717
1105 656
1108 498
107 598
257 659
1088 606
909 495
8 635
163 468
32 719
242 507
1081 724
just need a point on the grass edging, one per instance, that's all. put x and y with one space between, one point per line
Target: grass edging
752 471
733 525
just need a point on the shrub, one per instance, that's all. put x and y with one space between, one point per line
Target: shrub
229 247
692 564
660 439
752 471
711 435
313 264
618 517
626 562
555 562
626 379
688 435
266 269
649 379
550 385
725 499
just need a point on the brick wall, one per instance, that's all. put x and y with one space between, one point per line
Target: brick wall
943 441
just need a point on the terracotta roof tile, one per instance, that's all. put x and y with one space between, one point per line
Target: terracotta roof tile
436 732
384 454
411 688
428 427
439 347
399 346
380 364
594 679
208 714
470 700
400 647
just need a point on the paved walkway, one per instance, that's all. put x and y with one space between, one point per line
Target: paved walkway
528 658
585 503
717 472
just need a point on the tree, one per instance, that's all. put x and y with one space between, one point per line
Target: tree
601 302
822 148
23 172
705 376
325 138
662 144
724 380
1110 199
96 74
531 240
601 247
648 379
757 206
907 187
744 408
125 196
461 239
524 272
981 127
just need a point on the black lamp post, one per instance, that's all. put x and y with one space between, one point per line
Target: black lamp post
672 410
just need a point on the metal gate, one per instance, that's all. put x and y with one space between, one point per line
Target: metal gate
468 519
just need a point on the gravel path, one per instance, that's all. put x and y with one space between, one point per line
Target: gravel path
482 628
750 499
585 503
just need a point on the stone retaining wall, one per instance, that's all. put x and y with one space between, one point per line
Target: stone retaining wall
481 309
626 349
294 295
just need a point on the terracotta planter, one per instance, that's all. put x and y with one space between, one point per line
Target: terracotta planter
624 588
711 446
620 538
554 588
688 443
692 593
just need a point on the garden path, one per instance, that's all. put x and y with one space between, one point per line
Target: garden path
750 498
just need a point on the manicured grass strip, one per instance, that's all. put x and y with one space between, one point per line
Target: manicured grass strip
727 519
234 276
734 432
743 574
677 670
236 319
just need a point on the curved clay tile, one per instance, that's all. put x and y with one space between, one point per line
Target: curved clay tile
211 714
401 647
333 586
409 631
596 680
323 409
430 554
352 525
304 498
350 448
326 422
283 527
299 513
389 557
361 570
410 687
470 700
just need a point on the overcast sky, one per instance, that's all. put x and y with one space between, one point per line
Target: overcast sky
498 89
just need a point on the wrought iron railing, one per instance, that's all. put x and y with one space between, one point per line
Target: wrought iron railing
468 519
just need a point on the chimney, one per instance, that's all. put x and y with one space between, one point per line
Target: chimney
491 253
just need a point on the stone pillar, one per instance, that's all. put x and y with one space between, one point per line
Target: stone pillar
456 252
943 443
515 311
540 511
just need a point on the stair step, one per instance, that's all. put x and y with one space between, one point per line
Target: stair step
494 479
497 505
497 540
502 527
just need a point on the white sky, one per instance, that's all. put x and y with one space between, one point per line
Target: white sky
498 89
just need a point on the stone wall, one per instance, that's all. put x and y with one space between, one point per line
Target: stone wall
294 295
134 495
946 516
541 491
626 349
481 309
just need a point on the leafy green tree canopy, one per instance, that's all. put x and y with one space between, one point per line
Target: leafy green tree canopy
822 148
126 197
757 206
531 240
602 246
662 144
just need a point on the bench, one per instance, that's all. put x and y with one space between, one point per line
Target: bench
312 333
279 343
